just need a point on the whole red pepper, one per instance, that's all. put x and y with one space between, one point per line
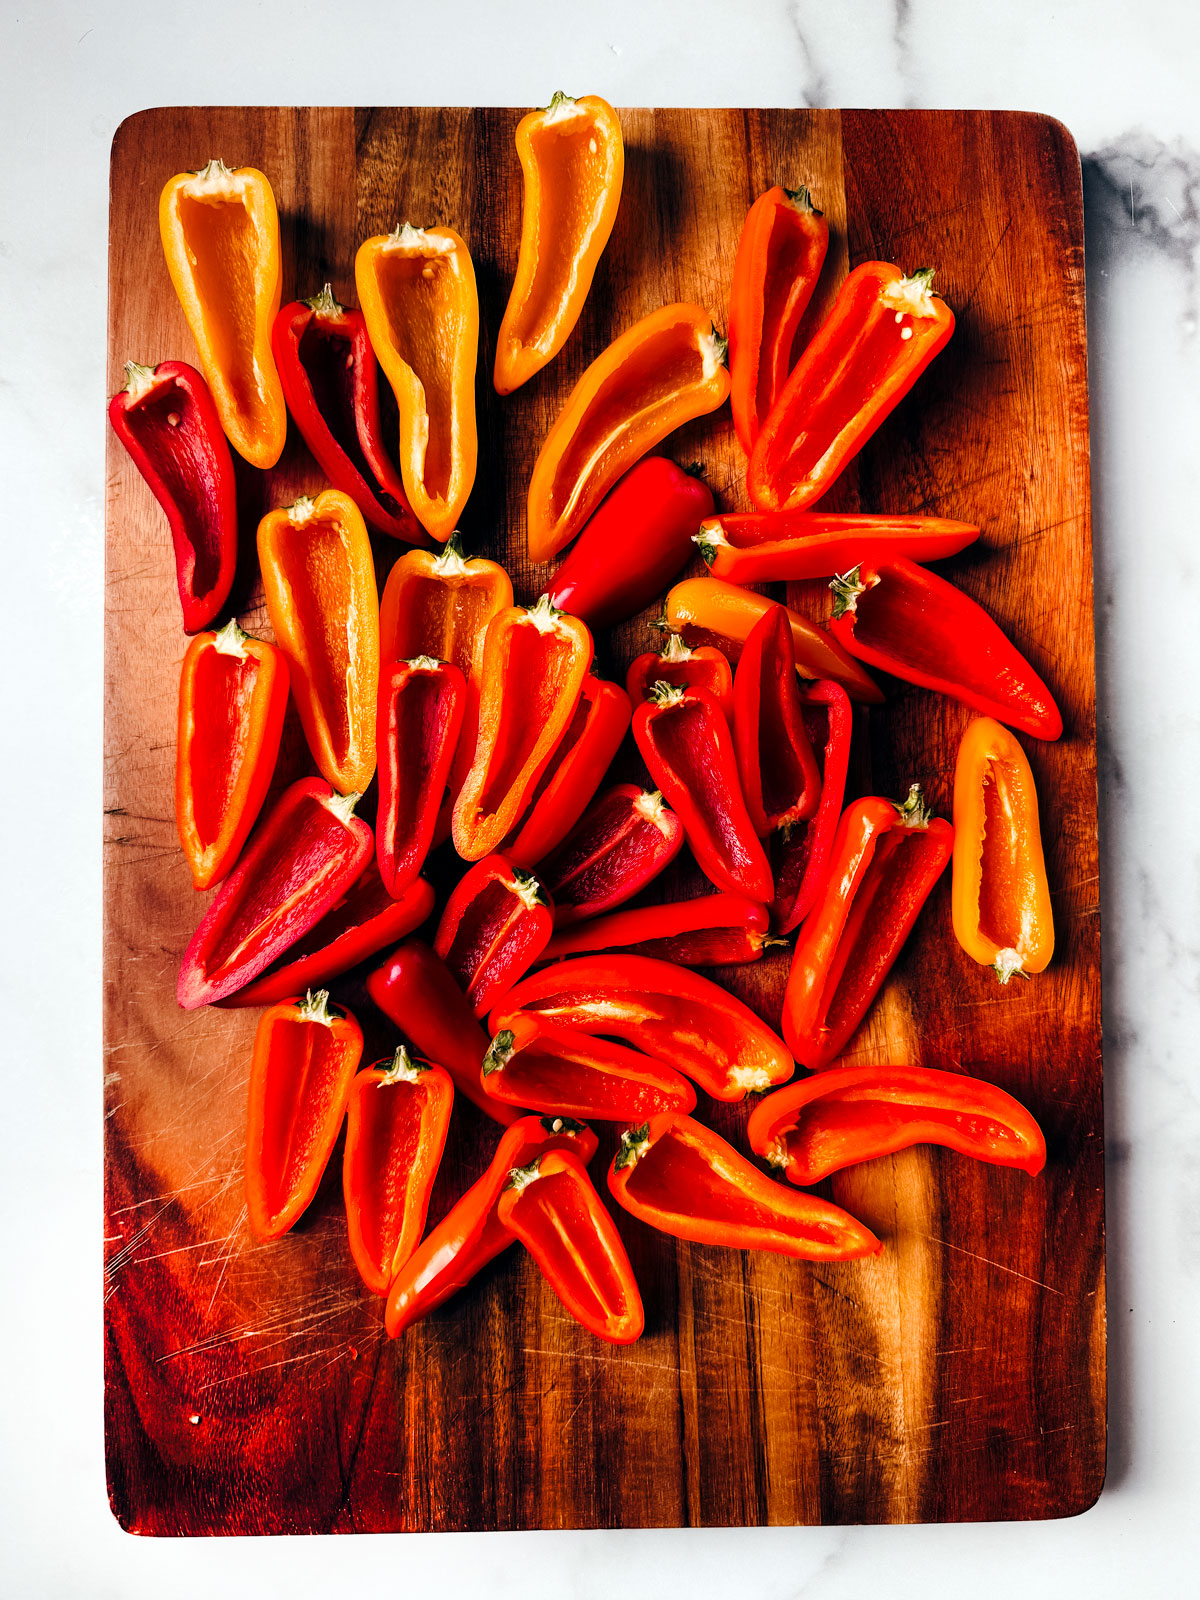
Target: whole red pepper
883 853
633 544
416 735
715 930
299 863
800 850
780 780
774 546
686 744
704 667
496 924
534 1063
166 419
620 844
913 624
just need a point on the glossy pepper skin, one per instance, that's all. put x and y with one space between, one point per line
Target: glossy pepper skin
330 380
800 850
774 546
661 1009
780 780
999 896
496 924
708 609
850 1114
301 860
552 1207
885 860
907 621
714 930
686 744
306 1053
536 1064
420 713
683 1179
573 161
416 287
620 844
470 1234
415 990
779 259
705 667
882 333
575 771
220 236
397 1119
233 693
664 371
364 921
635 542
534 664
166 419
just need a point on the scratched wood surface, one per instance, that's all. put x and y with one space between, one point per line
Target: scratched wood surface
249 1388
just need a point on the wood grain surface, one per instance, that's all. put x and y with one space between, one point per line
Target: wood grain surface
960 1375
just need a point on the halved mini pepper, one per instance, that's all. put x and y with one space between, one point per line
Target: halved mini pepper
166 419
397 1119
907 621
850 1114
416 287
712 931
220 235
999 897
664 371
573 160
773 546
683 1179
470 1234
885 860
534 1063
780 779
552 1207
416 734
495 925
318 576
800 850
661 1009
707 610
534 664
330 380
299 863
705 667
882 333
233 694
779 259
620 844
306 1053
685 742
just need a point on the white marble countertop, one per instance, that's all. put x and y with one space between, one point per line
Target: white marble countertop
1124 81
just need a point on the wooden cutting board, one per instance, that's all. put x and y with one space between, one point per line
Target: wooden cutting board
961 1375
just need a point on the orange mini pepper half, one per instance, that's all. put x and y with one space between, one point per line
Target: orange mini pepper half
662 372
573 159
999 898
233 694
220 235
416 287
319 578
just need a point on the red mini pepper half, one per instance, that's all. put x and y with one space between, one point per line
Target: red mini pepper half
665 1011
704 667
396 1124
913 624
415 990
296 867
773 546
416 735
470 1234
166 419
715 930
330 381
635 542
686 744
886 859
496 924
780 780
685 1180
850 1114
306 1053
620 844
882 333
536 1064
800 850
552 1207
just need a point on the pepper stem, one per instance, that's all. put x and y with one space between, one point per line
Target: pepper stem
714 351
912 810
521 1177
451 563
772 941
404 1069
912 295
423 663
566 1125
665 694
661 621
301 510
231 640
802 199
215 168
138 379
650 806
558 104
1009 963
677 650
710 539
634 1144
315 1008
544 614
847 587
499 1052
324 303
527 890
342 805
